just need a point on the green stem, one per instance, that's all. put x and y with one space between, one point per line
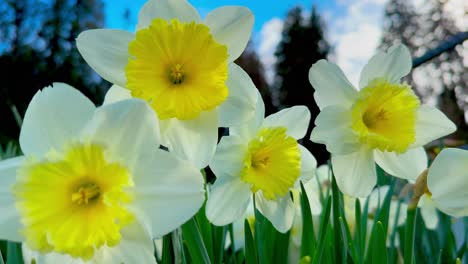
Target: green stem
409 234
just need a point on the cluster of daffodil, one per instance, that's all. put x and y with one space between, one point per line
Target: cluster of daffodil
99 184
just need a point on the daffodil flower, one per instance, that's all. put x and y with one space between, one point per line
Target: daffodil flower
92 184
183 67
382 122
447 182
262 158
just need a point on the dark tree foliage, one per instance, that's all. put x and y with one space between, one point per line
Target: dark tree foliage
38 48
302 44
442 79
251 64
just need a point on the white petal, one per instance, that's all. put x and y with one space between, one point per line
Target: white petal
106 51
54 116
229 156
51 258
9 218
447 180
239 106
391 65
115 94
331 86
127 129
167 9
428 212
228 200
408 165
355 173
231 26
280 212
169 191
296 119
333 128
308 166
431 124
136 246
194 140
249 130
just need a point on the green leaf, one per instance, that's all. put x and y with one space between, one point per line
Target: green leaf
324 221
205 231
250 249
167 250
219 240
308 242
233 245
14 253
347 241
281 247
393 251
379 252
340 257
359 241
409 235
194 242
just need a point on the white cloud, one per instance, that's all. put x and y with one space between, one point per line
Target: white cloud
270 36
458 9
356 34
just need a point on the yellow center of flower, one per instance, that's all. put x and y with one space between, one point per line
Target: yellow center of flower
272 163
178 68
384 116
75 204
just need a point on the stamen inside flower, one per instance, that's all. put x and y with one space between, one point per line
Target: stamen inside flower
177 74
384 116
76 204
89 192
178 68
272 163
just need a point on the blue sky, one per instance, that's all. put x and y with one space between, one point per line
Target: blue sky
263 10
353 26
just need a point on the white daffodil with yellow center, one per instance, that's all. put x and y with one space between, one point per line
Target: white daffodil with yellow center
261 158
382 122
93 185
183 67
447 186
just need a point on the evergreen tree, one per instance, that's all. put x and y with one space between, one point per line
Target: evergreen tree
38 48
444 78
302 44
